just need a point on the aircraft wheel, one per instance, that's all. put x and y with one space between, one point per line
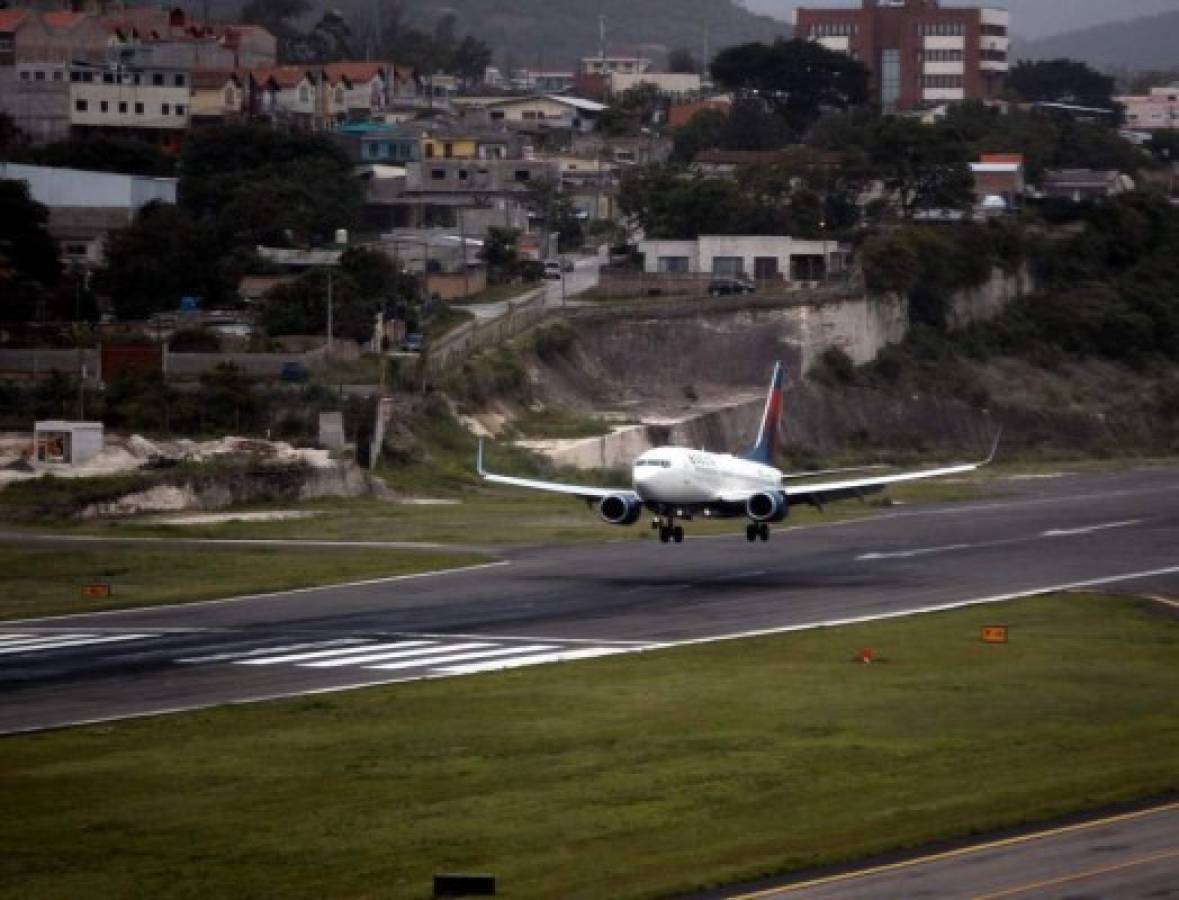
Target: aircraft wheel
677 534
751 532
763 531
664 534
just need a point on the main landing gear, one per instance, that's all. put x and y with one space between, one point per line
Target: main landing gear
668 531
755 530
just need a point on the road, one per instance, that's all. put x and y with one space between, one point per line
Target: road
544 604
1132 855
583 277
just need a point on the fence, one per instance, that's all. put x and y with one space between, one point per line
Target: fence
480 334
631 283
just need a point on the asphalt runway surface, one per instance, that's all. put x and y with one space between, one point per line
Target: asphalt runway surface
1133 855
1118 531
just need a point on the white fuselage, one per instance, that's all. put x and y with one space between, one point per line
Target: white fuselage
678 475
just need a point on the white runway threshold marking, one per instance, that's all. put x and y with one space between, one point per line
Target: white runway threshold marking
1105 526
12 644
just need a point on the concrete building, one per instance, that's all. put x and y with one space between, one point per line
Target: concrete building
1086 184
66 443
85 206
609 65
766 258
217 98
1156 111
917 52
151 104
999 175
680 87
547 112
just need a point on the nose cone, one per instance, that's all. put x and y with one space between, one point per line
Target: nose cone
643 478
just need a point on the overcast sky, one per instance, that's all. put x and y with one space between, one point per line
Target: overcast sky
1029 18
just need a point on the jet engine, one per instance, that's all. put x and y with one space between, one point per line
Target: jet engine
619 509
766 507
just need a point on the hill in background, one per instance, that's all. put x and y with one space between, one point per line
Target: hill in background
1147 43
554 34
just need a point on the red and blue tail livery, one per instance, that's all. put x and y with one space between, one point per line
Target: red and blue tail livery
766 448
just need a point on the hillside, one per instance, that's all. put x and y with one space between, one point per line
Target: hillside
1146 43
554 34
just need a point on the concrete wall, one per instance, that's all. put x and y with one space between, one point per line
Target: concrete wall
78 188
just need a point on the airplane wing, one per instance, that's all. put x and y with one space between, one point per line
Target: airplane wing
790 476
825 491
554 487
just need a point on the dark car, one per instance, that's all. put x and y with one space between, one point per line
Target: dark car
293 372
413 343
720 287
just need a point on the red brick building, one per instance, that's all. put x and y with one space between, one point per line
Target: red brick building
918 52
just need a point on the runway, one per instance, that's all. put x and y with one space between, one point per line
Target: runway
576 602
1129 855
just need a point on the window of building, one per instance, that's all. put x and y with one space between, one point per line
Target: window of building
74 249
765 268
88 77
528 115
103 106
108 77
139 109
178 80
672 264
462 174
81 105
438 174
24 75
74 76
230 96
496 115
6 43
523 175
123 106
448 151
39 75
179 109
57 75
890 78
157 79
136 78
430 150
728 265
304 93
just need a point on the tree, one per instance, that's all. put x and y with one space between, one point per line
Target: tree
1061 81
704 131
12 139
165 254
278 17
923 167
103 154
255 185
500 253
556 211
799 79
681 60
330 40
469 60
29 264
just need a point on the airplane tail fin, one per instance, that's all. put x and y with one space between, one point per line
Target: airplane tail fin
766 447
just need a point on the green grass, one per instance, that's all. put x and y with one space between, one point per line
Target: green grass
47 581
558 423
497 293
633 776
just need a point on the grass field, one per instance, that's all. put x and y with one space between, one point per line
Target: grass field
634 776
47 581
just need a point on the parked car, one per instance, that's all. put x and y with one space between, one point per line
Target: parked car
293 372
552 269
413 343
719 287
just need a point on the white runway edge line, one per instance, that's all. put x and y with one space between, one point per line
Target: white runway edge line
922 610
64 642
1105 526
433 573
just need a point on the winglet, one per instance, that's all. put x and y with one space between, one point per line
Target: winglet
479 459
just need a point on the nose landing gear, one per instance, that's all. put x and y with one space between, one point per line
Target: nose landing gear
755 530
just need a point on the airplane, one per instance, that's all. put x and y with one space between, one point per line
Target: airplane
681 483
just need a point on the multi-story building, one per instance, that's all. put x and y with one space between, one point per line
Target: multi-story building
1155 111
918 53
151 104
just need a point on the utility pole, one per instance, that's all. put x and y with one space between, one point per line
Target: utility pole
463 239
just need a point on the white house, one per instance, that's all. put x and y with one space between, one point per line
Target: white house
545 111
763 257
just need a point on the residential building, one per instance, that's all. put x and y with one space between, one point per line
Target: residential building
622 150
151 104
544 112
917 51
1156 111
1001 176
680 114
217 98
295 96
86 206
1086 184
609 65
681 87
359 90
544 82
372 142
769 258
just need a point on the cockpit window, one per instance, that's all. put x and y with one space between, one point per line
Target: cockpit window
662 463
